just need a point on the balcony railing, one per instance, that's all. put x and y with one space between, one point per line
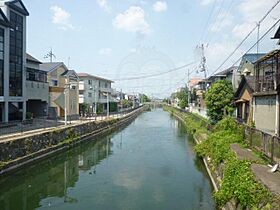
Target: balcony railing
267 83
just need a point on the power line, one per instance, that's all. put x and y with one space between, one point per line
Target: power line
223 18
157 74
208 20
261 38
246 37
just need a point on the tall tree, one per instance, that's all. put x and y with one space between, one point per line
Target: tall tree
182 95
219 100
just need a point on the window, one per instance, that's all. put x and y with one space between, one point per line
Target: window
90 82
106 85
89 95
1 62
54 82
16 54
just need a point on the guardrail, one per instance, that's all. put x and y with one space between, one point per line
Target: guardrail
265 143
44 123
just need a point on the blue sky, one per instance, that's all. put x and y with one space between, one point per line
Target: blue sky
123 38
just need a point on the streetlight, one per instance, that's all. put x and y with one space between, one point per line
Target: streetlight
67 87
108 104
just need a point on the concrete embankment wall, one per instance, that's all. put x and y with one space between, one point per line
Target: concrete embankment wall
197 139
22 151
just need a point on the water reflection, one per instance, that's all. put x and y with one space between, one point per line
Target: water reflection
148 165
52 178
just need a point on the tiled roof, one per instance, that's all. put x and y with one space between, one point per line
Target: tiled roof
50 66
95 77
253 57
32 59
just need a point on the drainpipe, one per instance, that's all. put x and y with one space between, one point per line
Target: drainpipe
277 116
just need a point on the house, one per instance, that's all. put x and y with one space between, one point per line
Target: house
12 60
96 92
63 90
277 35
37 88
266 96
227 74
246 67
244 99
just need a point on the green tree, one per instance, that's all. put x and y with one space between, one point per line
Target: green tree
145 98
126 103
182 95
219 100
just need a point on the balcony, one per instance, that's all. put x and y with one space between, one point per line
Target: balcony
105 90
267 71
82 85
81 99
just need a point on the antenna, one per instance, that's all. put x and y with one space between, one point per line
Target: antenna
50 55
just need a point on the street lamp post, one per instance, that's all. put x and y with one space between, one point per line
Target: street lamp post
95 100
65 105
108 105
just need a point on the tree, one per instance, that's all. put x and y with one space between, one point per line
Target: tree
182 95
126 103
219 100
145 98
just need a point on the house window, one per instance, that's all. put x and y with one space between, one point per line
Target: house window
89 95
106 85
54 82
2 62
90 82
16 54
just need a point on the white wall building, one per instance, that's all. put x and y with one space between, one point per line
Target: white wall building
37 88
93 90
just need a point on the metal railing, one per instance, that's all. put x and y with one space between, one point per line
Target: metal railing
267 144
263 142
18 127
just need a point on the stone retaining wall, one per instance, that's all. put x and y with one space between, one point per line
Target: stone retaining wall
19 152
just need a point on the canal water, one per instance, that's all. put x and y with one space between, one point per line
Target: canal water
150 164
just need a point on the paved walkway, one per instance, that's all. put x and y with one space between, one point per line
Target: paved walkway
43 125
261 171
244 154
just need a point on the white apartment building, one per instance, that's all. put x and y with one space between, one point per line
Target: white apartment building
94 91
12 60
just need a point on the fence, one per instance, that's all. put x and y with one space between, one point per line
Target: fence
44 123
263 142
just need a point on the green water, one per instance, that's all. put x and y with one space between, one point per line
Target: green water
148 165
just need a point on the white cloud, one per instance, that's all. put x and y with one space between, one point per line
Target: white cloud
160 6
61 18
223 20
252 11
105 51
206 2
132 20
104 5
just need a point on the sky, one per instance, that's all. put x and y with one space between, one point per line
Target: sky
123 39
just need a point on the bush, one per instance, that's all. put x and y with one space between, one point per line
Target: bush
29 115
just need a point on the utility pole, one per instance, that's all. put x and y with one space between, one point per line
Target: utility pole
258 36
189 89
95 99
203 60
50 55
69 62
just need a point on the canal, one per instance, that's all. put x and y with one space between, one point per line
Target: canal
150 164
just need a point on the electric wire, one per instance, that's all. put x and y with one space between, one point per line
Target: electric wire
246 37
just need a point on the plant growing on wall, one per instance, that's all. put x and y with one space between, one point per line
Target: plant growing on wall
219 100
